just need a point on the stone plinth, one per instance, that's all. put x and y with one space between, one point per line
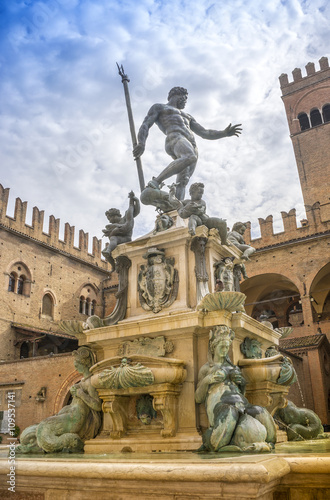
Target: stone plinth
177 244
174 331
172 476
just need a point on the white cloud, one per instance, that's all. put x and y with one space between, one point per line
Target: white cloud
64 132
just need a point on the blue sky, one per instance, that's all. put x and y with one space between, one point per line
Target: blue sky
65 143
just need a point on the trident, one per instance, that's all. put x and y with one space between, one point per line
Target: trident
125 80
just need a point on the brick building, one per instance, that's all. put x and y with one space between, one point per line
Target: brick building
289 276
44 280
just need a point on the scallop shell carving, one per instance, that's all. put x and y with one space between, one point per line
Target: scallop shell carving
230 301
284 331
125 375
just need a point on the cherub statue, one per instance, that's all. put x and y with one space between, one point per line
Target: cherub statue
235 236
120 229
76 422
235 424
195 210
224 275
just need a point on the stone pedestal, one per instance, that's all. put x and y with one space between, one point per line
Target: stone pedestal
177 324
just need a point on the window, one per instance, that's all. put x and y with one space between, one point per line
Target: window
316 118
88 299
304 121
326 113
20 285
88 307
12 282
19 279
47 305
82 305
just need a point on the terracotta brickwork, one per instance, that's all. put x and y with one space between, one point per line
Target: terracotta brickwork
44 280
27 376
309 95
289 275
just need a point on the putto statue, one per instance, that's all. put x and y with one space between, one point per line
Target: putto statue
180 144
75 423
235 424
195 210
235 236
120 229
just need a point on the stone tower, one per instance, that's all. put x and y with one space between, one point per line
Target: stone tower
307 105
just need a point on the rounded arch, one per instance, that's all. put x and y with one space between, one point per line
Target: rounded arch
304 121
48 303
301 105
270 294
326 113
19 278
315 117
63 393
320 292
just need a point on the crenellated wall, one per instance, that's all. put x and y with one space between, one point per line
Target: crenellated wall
35 231
312 226
312 76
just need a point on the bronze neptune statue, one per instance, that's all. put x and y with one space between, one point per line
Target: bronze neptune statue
179 128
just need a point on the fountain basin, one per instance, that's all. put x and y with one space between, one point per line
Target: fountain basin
164 370
261 370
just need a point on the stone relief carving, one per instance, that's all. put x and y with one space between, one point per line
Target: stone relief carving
126 375
198 247
146 346
158 281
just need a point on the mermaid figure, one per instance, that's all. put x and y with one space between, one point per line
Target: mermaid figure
75 423
235 424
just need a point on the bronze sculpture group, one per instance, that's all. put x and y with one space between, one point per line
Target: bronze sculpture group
234 423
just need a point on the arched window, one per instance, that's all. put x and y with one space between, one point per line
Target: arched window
88 299
20 285
326 113
12 282
82 305
47 305
19 279
316 118
304 121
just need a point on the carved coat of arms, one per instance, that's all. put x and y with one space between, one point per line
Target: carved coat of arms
158 281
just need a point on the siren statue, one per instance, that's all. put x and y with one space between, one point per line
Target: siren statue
75 423
235 424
